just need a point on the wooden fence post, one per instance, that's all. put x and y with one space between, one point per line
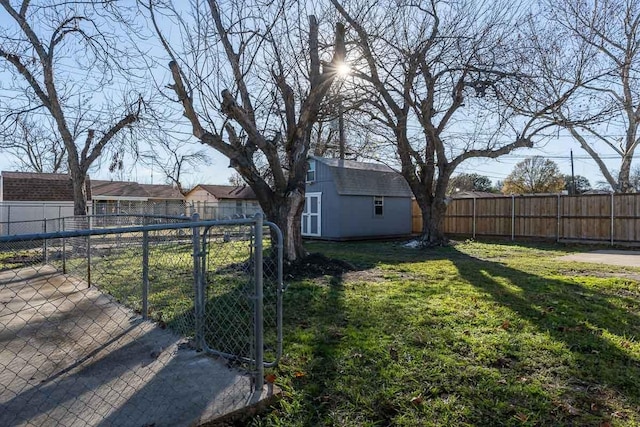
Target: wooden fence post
612 220
474 218
558 220
513 217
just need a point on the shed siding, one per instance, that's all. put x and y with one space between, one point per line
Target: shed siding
344 217
357 218
330 208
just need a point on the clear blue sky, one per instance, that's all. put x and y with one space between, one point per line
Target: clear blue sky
218 172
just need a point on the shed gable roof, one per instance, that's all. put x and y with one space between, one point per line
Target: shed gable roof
39 187
365 179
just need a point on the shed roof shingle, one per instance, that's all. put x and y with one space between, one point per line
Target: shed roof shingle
366 179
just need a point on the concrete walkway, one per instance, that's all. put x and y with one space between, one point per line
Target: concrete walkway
610 257
71 356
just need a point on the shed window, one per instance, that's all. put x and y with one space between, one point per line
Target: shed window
311 171
378 206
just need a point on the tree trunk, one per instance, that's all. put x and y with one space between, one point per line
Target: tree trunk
624 183
286 213
433 212
79 180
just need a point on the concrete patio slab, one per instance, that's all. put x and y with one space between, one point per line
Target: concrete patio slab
70 355
609 257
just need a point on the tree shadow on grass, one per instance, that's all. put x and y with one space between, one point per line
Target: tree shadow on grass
594 325
317 331
365 354
343 351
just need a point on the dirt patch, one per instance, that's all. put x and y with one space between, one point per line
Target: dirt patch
370 276
316 265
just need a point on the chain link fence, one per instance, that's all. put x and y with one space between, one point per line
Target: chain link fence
31 218
223 211
109 320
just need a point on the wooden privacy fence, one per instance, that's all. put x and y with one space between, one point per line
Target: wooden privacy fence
610 218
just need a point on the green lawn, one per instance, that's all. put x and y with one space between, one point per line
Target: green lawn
473 334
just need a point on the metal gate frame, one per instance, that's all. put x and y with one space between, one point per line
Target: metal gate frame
200 230
200 251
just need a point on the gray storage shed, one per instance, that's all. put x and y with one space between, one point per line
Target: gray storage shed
354 200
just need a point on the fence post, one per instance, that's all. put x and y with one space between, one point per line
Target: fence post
513 217
197 283
145 273
88 260
64 248
44 242
259 296
9 220
474 218
612 220
558 220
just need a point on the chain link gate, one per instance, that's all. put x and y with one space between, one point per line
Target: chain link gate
100 325
238 305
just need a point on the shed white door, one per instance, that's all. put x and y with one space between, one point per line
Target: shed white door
311 214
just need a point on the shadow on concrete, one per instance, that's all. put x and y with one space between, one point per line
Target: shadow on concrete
75 357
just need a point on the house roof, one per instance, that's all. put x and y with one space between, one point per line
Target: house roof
133 190
31 186
162 191
366 179
475 195
121 189
242 192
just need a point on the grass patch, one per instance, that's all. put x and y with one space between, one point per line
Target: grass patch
473 334
117 270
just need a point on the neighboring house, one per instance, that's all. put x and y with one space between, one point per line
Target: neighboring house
474 195
222 201
27 198
353 200
125 197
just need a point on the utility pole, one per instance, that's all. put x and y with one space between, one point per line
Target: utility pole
573 177
341 126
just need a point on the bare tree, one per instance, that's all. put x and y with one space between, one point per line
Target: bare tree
34 148
65 59
236 180
605 112
342 129
436 73
174 158
251 85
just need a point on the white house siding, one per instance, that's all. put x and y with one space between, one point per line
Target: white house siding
28 217
200 195
209 207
